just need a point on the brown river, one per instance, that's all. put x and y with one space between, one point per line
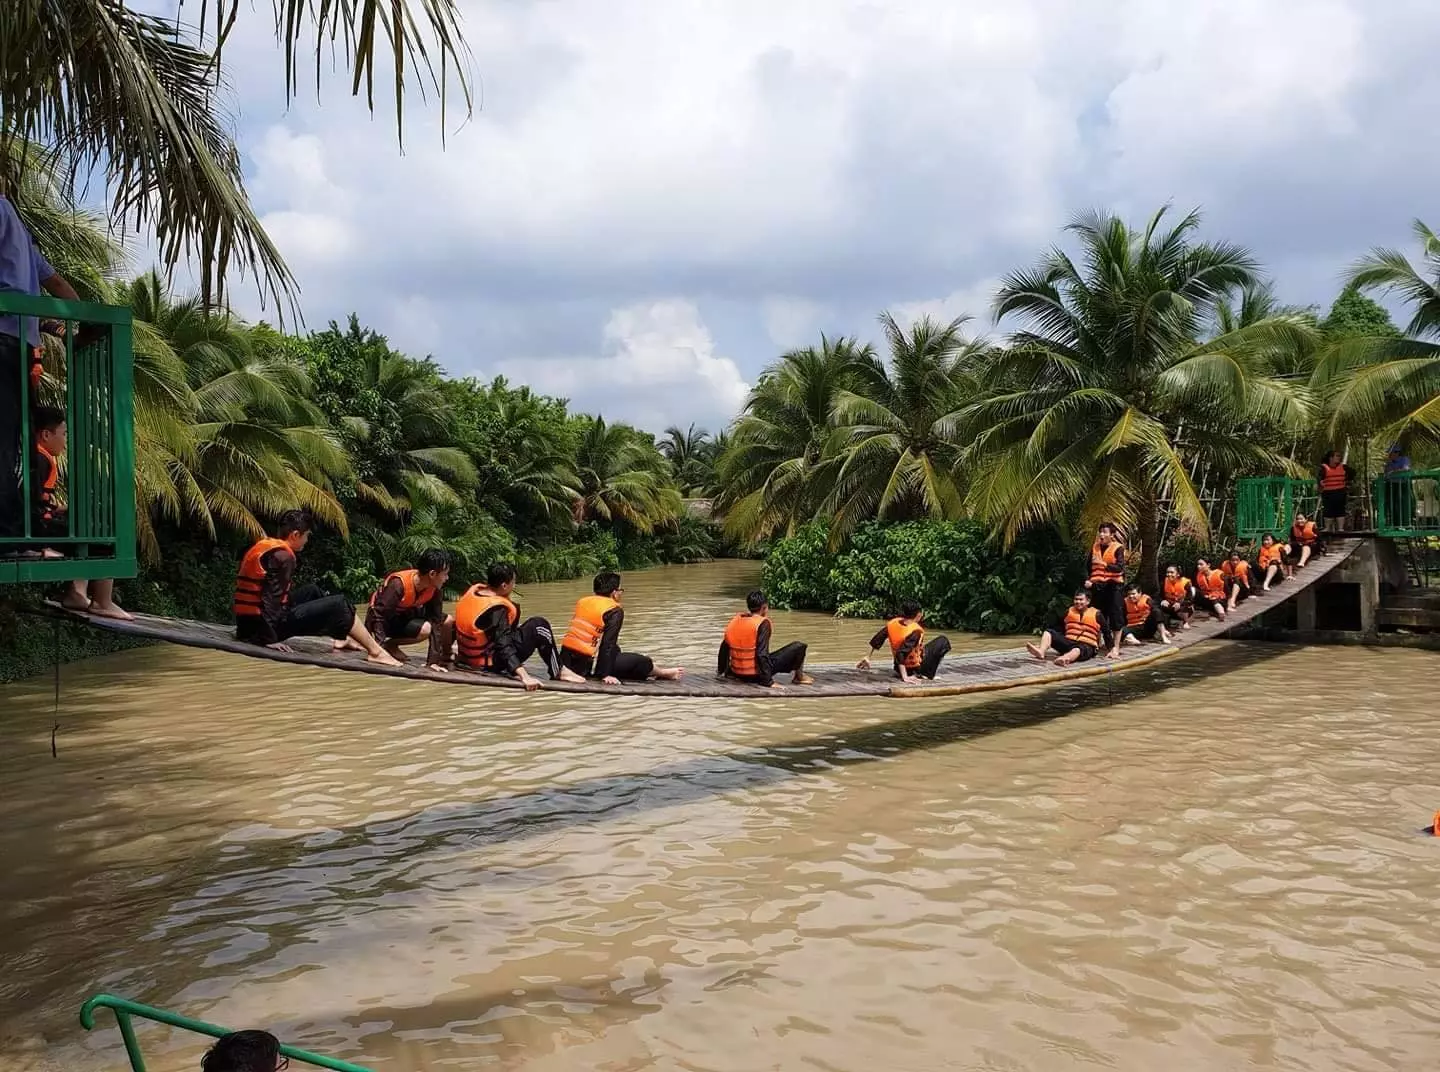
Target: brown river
1212 866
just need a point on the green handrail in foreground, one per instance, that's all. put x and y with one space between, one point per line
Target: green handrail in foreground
1408 503
124 1009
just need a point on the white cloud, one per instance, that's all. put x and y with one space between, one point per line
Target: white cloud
786 168
657 367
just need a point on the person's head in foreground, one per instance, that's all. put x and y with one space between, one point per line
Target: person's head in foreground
245 1051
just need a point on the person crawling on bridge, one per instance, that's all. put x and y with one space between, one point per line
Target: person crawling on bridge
1082 633
268 613
906 636
1211 589
491 638
745 653
1238 578
1304 541
1177 599
591 646
1271 561
1142 618
409 606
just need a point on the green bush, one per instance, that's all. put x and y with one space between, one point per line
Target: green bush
962 578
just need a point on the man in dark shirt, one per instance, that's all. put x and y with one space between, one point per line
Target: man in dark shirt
409 606
492 639
591 646
745 651
267 612
905 634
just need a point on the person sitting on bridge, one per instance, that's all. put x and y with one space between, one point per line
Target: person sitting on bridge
1177 598
1142 618
745 653
48 515
1238 578
1106 582
905 633
1082 633
1304 541
591 646
1271 560
409 606
491 638
1211 589
245 1051
268 613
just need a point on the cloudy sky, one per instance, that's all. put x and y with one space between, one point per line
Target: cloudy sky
657 197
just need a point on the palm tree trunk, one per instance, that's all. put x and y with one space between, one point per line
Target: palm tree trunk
1149 572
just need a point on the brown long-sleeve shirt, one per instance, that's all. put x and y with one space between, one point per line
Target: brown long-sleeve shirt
882 638
279 566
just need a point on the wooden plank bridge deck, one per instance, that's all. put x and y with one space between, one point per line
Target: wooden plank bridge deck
960 673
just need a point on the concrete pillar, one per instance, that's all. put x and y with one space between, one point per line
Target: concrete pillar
1305 611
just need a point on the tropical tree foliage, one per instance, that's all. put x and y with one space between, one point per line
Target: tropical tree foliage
623 478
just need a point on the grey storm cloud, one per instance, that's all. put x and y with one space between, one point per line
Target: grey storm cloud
657 198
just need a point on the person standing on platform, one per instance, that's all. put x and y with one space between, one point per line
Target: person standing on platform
905 633
1106 582
745 653
1334 477
1398 489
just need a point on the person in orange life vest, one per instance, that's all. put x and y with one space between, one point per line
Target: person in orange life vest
1177 598
268 613
1081 635
1238 578
409 606
905 634
1271 561
1304 540
1106 580
1142 618
1211 589
591 647
491 638
48 516
745 651
1334 477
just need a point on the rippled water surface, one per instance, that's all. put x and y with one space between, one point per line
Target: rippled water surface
1212 866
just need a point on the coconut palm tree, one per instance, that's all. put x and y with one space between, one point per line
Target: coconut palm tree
523 447
687 454
623 478
1117 384
134 96
1390 388
779 465
895 431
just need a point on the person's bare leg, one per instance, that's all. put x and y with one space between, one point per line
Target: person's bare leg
1069 657
346 645
1042 649
76 597
102 601
1304 555
374 653
800 677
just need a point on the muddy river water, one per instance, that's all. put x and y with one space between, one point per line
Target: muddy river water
1214 865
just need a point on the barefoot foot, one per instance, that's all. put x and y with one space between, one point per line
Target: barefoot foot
669 673
383 658
802 679
1035 652
111 610
566 674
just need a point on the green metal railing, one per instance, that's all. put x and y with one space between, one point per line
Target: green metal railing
1407 504
1269 504
99 487
124 1010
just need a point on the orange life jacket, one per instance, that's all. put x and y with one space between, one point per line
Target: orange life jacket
1240 571
472 643
1211 585
588 625
1101 559
37 367
1271 556
1332 477
250 582
410 581
901 629
1083 628
48 485
1176 590
743 637
1137 610
1304 534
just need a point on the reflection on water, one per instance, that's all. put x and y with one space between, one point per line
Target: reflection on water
1209 866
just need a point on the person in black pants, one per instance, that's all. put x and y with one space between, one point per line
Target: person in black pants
1106 582
906 636
591 646
745 653
491 638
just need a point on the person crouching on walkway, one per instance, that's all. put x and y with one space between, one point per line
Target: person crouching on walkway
1106 583
1211 590
591 646
745 653
1237 578
409 606
906 636
491 638
1081 635
268 613
1142 618
1177 599
1271 561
